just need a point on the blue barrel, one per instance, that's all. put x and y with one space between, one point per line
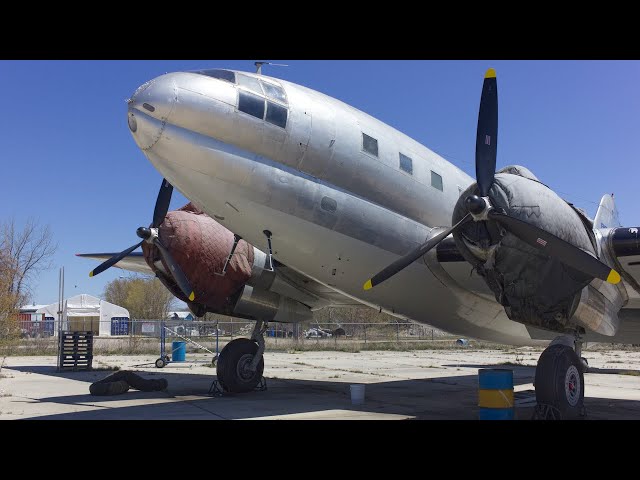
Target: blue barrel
495 394
178 351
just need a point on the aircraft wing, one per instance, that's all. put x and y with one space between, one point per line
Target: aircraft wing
303 288
311 292
134 261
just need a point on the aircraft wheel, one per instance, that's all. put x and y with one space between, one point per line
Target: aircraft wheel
232 367
559 381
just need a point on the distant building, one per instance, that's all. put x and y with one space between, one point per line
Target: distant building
80 313
34 324
180 316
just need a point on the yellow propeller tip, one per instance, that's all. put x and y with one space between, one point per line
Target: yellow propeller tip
491 73
192 297
91 274
614 277
367 285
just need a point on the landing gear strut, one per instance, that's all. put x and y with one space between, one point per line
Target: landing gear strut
241 362
559 380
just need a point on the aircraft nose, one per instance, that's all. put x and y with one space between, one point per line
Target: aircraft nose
149 109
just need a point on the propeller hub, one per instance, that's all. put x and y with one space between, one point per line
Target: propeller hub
475 205
144 233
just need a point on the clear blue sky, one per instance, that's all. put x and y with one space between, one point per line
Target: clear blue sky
69 160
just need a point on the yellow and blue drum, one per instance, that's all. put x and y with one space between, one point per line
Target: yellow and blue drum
495 394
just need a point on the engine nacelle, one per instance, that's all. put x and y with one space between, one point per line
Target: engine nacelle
533 288
200 245
270 306
622 245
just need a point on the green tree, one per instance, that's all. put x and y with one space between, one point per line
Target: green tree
145 298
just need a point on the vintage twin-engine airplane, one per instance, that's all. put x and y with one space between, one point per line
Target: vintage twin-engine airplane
332 195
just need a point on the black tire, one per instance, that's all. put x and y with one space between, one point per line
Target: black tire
109 388
160 363
135 381
234 357
559 381
145 384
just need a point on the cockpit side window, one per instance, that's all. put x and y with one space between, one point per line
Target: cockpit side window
250 83
225 75
276 114
274 91
269 94
251 104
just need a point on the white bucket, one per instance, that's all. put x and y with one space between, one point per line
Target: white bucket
357 394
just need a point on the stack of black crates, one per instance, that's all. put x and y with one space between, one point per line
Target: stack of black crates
76 351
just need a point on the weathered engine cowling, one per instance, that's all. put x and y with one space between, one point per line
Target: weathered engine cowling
534 288
200 245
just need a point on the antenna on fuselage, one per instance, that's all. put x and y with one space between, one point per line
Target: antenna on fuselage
260 64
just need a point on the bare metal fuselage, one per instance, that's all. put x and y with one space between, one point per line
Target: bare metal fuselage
337 213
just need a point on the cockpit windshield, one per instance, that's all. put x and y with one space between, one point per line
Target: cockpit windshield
256 97
225 75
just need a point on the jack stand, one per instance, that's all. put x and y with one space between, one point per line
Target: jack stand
236 239
268 235
546 412
215 390
549 412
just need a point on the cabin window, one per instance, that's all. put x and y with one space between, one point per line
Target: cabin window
406 164
251 104
225 75
328 204
436 181
274 91
370 144
276 114
250 83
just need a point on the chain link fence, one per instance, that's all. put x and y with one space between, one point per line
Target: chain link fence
120 327
122 335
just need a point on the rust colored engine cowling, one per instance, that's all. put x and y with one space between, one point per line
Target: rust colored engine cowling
200 245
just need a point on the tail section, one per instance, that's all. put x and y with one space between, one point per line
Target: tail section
607 215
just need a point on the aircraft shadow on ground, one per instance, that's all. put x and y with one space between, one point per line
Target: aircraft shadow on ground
444 397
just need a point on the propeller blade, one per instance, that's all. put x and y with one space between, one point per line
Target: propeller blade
162 203
176 271
487 133
556 247
412 256
113 260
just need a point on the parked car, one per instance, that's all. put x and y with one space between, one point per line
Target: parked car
315 332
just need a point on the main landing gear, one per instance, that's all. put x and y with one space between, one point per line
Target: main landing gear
241 362
559 380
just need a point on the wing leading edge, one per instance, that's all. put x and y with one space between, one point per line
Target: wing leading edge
133 262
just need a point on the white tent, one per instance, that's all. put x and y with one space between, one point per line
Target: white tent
88 313
50 311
